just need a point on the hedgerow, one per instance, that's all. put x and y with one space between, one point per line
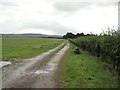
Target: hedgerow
106 47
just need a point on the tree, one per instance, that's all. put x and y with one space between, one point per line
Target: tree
69 35
79 34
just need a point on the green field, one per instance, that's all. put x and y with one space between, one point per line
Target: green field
85 71
14 47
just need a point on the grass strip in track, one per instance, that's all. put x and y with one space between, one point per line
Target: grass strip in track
46 59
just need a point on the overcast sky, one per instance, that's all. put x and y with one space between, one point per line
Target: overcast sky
57 16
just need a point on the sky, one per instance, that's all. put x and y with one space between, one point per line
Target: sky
57 16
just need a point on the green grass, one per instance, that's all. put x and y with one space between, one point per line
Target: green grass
19 48
85 71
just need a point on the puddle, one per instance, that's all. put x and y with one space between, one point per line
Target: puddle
4 63
41 72
50 67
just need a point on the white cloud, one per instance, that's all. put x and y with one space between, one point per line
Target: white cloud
92 20
76 6
57 16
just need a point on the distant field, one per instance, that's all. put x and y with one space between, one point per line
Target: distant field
14 47
86 71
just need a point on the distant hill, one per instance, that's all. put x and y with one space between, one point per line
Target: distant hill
31 35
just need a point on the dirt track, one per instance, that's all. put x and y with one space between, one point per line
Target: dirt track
27 75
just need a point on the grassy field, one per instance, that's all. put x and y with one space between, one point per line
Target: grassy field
13 47
85 71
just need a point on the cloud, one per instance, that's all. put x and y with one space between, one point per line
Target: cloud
56 16
56 27
76 5
7 3
70 6
25 26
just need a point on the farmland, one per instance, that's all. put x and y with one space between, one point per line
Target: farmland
86 71
18 47
89 69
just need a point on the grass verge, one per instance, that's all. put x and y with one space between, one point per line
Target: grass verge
85 71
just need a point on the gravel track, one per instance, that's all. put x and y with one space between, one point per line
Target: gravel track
24 75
